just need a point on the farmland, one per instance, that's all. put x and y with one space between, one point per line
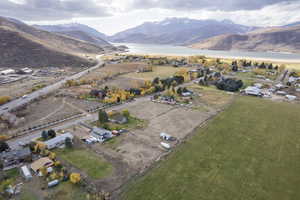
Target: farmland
249 151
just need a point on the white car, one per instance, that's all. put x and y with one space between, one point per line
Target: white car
24 97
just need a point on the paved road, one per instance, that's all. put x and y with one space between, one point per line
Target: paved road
14 143
46 90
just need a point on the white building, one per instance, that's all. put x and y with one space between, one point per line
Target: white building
26 173
253 91
7 71
58 141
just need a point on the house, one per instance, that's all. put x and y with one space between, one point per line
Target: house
16 157
253 91
58 141
27 70
101 134
118 119
280 92
7 71
42 162
25 172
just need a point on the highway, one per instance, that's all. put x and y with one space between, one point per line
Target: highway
46 90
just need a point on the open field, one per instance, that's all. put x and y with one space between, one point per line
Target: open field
111 70
250 151
158 71
87 161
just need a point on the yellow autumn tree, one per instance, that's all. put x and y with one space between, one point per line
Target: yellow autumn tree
4 99
52 155
75 178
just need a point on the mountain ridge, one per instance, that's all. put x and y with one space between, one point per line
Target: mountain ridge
178 31
23 45
283 39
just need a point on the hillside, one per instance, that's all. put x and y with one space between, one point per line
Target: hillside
78 31
178 31
284 39
72 27
86 37
22 45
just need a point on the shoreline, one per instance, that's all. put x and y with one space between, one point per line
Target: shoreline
170 50
288 61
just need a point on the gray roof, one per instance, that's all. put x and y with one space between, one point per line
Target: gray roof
58 139
100 131
16 154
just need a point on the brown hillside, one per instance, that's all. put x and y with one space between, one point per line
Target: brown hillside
22 45
275 39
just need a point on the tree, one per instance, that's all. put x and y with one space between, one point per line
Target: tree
68 142
75 178
1 165
45 135
102 116
52 133
4 99
126 113
3 146
179 91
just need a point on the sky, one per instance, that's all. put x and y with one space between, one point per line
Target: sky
112 16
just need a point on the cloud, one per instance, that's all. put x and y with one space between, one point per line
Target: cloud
39 10
228 5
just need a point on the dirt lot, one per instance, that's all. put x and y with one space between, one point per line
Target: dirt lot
22 87
45 110
134 152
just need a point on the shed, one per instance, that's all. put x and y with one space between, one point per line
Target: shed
165 145
42 162
26 172
58 140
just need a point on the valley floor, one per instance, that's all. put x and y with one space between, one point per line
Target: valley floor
250 151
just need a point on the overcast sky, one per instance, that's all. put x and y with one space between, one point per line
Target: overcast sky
111 16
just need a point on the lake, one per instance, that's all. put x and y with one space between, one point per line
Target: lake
155 49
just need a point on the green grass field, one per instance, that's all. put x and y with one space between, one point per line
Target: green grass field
158 71
250 151
87 161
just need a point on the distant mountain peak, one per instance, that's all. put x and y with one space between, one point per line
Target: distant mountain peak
178 31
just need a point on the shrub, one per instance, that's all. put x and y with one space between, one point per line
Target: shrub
126 113
75 178
4 99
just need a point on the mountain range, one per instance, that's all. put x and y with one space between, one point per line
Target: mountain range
178 31
22 45
283 39
78 31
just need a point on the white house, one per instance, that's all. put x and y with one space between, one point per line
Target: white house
58 141
253 91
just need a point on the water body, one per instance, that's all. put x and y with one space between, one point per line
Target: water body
154 49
